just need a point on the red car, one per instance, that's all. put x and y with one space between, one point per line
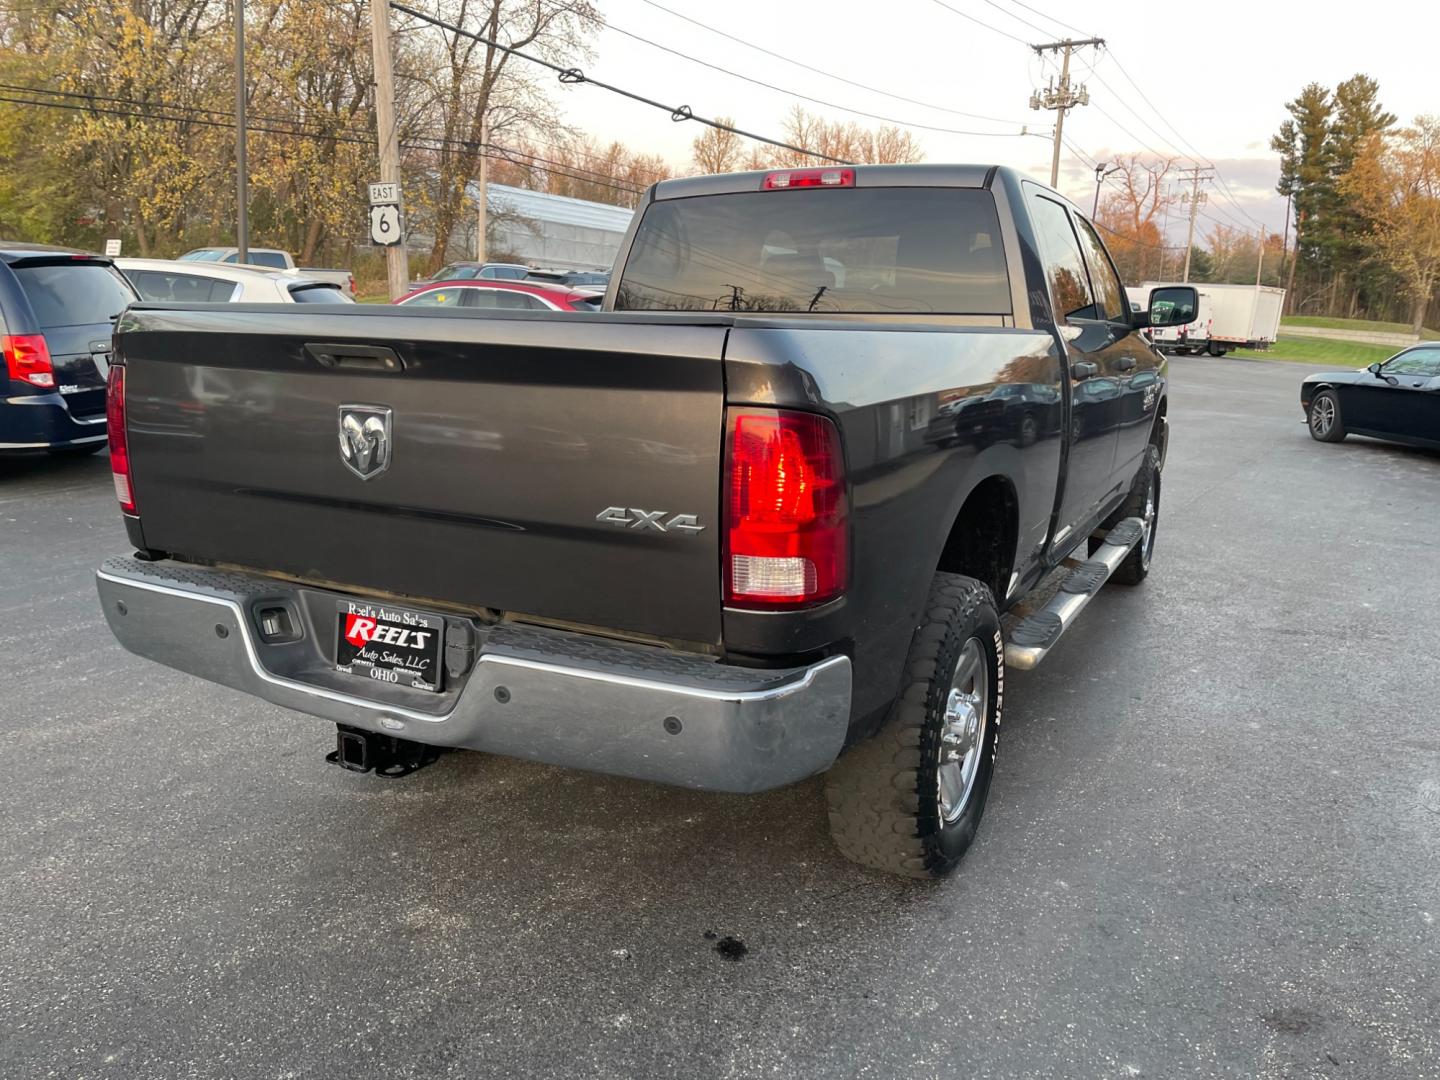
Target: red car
501 295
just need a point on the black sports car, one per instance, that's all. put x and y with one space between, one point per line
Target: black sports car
1398 400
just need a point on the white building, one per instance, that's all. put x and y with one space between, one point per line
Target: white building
551 231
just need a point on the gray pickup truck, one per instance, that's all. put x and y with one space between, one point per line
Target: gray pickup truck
789 504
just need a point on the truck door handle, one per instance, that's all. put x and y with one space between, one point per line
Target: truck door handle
1125 363
1083 369
378 358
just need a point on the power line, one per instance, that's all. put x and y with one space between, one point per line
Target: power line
821 71
979 22
805 97
573 75
1051 18
598 179
1010 14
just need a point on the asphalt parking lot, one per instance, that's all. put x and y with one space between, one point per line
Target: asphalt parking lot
1212 847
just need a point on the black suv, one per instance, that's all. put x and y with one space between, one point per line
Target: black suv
57 312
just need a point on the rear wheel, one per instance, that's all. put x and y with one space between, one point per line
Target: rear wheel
1324 419
1216 350
909 799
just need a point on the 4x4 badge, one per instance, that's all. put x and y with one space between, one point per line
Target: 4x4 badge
365 439
649 519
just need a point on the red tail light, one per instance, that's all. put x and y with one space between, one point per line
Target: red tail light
786 533
119 445
803 178
27 357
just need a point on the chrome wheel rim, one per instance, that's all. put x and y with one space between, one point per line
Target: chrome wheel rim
962 732
1147 528
1322 416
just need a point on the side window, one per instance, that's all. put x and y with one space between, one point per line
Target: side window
437 298
1064 265
1424 362
518 301
481 298
1108 290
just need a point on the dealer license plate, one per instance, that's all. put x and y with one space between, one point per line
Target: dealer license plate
389 644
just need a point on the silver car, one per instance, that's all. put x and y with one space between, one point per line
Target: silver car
215 283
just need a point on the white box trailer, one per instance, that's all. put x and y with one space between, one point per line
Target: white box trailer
1230 317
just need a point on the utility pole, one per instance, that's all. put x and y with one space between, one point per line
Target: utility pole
1196 198
1063 97
1164 236
1260 262
242 181
396 260
483 200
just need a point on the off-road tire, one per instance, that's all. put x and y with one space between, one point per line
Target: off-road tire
1136 566
1336 431
883 793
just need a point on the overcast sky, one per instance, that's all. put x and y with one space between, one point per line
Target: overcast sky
1220 73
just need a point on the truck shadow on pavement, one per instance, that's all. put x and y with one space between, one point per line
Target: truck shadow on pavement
46 467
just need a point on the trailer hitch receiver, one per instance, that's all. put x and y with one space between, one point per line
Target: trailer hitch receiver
390 758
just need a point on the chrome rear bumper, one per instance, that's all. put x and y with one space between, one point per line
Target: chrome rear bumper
527 692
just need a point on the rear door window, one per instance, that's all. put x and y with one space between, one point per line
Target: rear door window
1064 265
437 298
504 300
1103 278
883 250
267 258
73 293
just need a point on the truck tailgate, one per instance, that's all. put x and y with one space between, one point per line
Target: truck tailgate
505 441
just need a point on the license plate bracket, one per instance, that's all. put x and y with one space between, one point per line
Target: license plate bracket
390 645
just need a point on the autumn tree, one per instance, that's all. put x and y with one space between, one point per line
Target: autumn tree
716 150
1395 181
317 68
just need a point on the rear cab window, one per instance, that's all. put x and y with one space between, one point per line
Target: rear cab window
853 250
72 293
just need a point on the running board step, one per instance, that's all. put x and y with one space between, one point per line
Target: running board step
1035 635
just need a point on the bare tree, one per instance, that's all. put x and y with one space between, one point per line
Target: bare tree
476 91
716 150
1131 214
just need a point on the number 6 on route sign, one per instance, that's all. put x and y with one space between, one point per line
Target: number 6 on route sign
385 224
